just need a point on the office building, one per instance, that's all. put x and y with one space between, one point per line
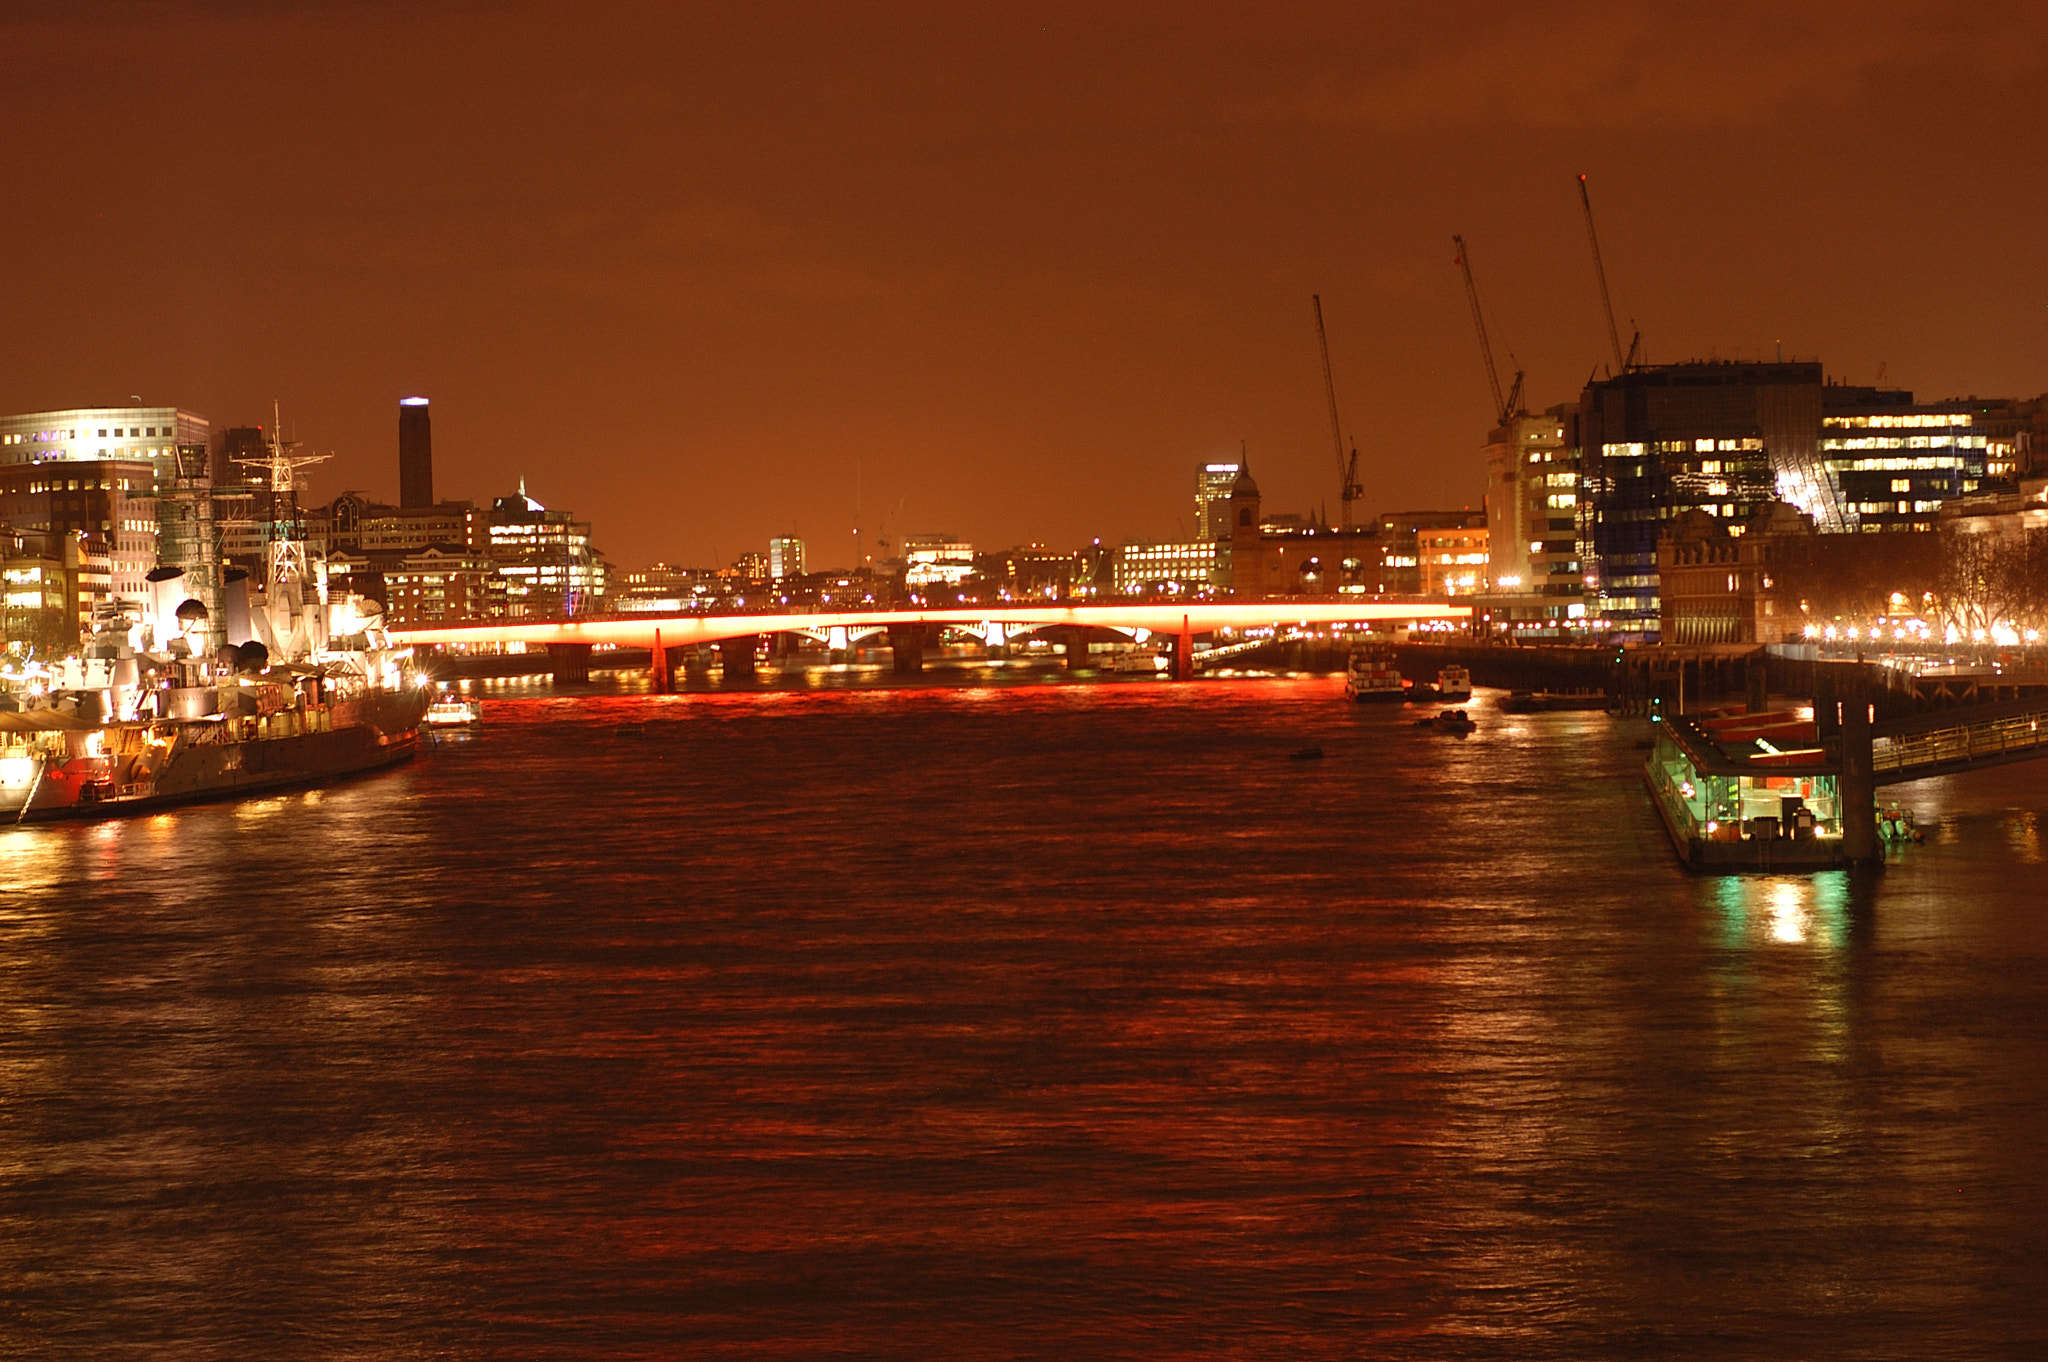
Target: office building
1727 438
785 558
98 471
442 586
551 570
1533 575
1213 482
1198 570
936 560
415 453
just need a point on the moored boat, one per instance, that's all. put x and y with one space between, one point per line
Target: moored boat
1370 674
1453 682
1746 792
165 704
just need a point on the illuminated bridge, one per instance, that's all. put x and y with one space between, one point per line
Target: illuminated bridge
909 630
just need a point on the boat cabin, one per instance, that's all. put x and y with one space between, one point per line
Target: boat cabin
1747 791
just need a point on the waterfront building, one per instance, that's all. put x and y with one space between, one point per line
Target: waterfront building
51 582
1433 553
1894 462
1030 571
1726 438
546 558
1213 482
1533 577
936 560
663 588
1658 440
1200 569
785 558
1289 556
415 453
1719 586
99 470
436 585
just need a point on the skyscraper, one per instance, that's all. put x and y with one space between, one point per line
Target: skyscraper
785 558
1213 482
415 453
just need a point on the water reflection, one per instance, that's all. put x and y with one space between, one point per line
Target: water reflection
1075 1019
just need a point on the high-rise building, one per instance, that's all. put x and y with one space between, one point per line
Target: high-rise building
1662 439
1213 482
415 453
785 558
1727 438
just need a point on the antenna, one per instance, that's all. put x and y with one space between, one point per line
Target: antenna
1600 273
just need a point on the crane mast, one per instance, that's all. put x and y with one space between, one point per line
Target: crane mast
1503 407
1347 469
1621 361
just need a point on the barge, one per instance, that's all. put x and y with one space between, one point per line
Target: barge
1747 792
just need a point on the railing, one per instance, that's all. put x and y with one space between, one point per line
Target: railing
2023 733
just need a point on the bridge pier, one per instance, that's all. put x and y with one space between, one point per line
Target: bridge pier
1857 790
569 661
906 647
660 676
1183 653
736 655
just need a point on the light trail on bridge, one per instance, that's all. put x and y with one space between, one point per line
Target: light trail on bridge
674 631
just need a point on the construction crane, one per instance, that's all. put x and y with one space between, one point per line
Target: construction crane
1347 469
1622 361
1503 407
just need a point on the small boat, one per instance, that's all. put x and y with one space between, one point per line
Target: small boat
1453 682
1546 702
1370 675
1306 754
452 711
1137 660
1448 721
1896 827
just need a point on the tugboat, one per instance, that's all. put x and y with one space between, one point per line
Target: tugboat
1453 682
1370 675
306 689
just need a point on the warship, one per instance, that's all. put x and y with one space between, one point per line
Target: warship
164 704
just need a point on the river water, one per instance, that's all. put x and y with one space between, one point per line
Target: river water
1079 1020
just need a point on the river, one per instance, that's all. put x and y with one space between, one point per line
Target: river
1064 1019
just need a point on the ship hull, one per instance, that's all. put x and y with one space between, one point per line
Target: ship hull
385 733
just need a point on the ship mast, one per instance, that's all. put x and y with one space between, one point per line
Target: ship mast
284 555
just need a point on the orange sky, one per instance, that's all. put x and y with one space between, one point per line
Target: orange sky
683 267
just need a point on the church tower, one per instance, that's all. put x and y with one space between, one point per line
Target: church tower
1247 551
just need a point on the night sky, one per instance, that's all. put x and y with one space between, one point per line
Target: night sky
685 267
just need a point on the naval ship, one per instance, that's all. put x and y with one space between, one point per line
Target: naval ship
152 712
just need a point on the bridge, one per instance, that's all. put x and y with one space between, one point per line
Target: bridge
737 635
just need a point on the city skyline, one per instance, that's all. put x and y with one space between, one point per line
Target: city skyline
984 259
